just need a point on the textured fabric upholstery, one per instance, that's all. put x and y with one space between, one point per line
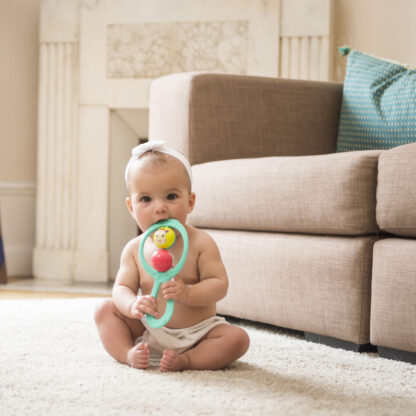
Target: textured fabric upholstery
325 194
217 116
393 299
309 283
396 191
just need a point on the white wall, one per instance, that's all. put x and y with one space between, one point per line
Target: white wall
19 25
384 28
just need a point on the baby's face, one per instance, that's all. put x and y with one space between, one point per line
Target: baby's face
159 192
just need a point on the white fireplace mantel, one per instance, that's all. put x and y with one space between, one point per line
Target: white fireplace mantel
101 55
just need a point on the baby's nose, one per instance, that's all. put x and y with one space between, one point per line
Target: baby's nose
160 206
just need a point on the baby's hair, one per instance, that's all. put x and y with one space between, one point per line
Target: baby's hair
156 159
159 150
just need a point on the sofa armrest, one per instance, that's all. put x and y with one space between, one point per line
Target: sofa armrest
217 116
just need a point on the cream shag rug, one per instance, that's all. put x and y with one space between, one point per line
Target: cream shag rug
52 363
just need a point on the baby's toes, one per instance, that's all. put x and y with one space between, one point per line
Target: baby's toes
171 361
143 347
138 356
169 354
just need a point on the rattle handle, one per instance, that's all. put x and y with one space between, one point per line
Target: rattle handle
158 323
155 289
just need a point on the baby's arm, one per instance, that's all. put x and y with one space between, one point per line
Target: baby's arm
126 287
213 284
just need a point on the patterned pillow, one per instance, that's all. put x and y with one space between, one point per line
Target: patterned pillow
378 105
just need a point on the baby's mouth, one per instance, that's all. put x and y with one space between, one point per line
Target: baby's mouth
159 221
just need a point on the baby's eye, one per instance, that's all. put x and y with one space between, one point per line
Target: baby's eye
145 199
172 197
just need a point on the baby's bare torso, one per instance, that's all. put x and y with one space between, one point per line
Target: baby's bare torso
183 315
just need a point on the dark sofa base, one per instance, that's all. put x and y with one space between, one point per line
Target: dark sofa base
339 343
398 355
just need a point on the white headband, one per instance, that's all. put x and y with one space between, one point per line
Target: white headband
159 146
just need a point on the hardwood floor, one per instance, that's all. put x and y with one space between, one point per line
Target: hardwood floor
27 288
27 294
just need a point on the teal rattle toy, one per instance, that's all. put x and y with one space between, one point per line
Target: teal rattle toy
162 270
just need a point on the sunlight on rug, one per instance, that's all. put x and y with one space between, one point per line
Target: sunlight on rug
52 363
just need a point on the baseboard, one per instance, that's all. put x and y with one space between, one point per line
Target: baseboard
66 265
18 189
91 266
19 260
53 264
17 217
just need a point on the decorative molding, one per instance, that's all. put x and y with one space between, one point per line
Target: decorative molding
150 50
17 188
59 21
304 57
305 39
117 38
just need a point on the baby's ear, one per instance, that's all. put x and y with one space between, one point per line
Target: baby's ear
128 203
191 202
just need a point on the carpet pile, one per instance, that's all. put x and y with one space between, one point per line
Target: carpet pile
52 363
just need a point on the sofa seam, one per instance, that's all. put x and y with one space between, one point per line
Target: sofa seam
311 231
370 243
397 227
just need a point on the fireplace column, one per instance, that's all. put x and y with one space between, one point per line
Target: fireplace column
57 142
71 219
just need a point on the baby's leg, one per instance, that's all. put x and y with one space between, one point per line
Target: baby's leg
220 347
118 333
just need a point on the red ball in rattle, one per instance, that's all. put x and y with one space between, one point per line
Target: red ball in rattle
162 260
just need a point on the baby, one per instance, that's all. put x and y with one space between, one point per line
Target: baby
159 182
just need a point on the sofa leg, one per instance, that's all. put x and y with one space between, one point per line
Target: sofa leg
398 355
339 343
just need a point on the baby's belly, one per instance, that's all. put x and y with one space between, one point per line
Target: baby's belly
185 316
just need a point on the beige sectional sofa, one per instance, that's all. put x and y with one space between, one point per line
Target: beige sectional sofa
313 240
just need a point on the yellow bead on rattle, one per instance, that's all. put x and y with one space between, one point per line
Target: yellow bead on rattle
164 237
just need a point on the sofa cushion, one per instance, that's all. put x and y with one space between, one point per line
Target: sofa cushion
396 191
325 290
379 104
393 294
321 194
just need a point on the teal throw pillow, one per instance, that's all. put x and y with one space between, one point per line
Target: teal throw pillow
378 104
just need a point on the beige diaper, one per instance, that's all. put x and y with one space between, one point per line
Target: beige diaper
178 340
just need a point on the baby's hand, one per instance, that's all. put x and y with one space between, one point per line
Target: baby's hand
143 305
175 289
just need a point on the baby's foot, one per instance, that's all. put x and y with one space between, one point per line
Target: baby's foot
171 361
138 356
